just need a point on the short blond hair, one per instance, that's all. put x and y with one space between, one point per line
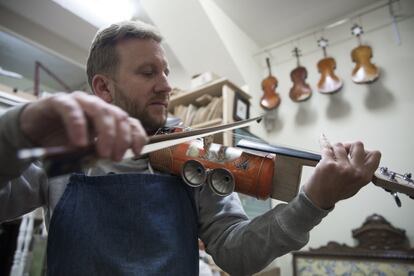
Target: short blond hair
103 58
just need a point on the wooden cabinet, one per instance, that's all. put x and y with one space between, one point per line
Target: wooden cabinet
220 88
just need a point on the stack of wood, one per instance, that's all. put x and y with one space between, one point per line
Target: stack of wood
204 109
176 92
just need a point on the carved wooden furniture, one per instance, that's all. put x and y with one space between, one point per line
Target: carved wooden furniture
382 249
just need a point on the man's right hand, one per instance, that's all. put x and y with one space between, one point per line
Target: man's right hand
77 119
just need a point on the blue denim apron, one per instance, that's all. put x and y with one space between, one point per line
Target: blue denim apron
124 224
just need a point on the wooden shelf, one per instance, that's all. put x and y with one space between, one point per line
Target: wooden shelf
218 88
212 88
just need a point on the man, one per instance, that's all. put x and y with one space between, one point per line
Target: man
120 218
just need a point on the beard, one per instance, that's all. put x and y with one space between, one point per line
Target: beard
150 122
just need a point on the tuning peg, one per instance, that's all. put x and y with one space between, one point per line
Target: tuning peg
397 199
323 42
395 195
384 170
407 177
357 30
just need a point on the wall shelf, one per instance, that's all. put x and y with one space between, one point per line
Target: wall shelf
218 88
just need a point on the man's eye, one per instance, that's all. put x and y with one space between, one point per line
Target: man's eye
148 73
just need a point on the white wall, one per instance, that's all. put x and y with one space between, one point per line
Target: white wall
188 32
240 47
179 77
378 114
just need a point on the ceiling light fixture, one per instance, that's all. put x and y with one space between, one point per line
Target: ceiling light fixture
10 74
100 13
337 23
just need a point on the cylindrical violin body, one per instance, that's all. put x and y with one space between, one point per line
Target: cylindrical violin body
252 172
300 91
329 82
364 71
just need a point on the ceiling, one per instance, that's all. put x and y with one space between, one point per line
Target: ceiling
265 21
20 56
270 21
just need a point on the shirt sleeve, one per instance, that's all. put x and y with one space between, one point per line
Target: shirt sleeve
241 246
22 184
11 139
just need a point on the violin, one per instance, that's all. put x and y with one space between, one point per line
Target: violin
300 91
270 98
329 82
250 168
364 71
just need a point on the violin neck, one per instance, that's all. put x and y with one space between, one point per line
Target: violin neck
359 40
296 53
288 171
268 66
324 51
307 157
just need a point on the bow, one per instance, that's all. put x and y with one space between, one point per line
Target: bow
70 154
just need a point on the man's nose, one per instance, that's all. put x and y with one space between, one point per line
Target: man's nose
163 85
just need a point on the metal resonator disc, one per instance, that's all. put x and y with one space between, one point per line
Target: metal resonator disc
221 181
194 173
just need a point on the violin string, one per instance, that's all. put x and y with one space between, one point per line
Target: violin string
259 140
236 135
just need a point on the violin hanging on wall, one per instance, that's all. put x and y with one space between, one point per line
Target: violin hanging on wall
329 82
300 91
364 71
270 98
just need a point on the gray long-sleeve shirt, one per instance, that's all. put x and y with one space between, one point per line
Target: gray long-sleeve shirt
238 245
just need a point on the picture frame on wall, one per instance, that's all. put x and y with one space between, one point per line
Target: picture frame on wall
241 108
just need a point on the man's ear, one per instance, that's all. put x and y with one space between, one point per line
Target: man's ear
103 87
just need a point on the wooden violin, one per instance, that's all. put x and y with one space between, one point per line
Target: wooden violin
300 90
364 71
270 98
329 82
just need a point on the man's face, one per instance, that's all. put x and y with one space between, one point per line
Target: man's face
141 85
